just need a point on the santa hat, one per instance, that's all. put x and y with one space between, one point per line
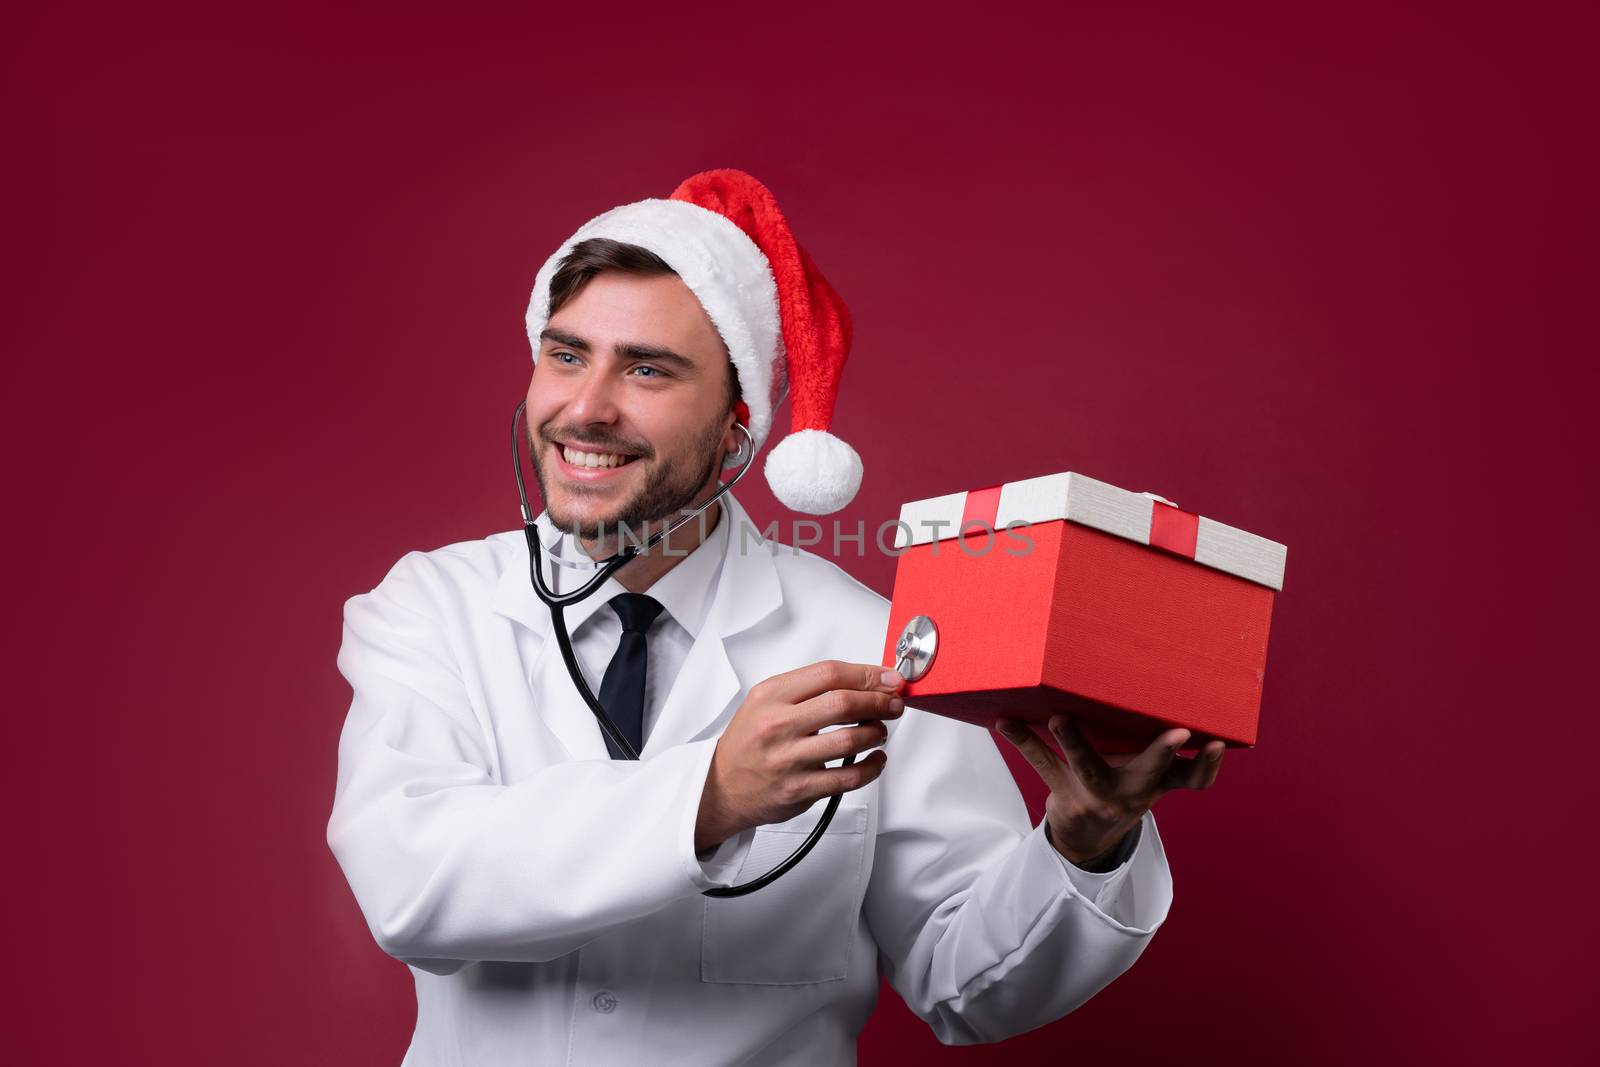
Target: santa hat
786 329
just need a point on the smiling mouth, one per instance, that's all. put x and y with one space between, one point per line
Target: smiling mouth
584 459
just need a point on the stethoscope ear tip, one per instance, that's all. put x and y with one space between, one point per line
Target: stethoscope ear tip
745 453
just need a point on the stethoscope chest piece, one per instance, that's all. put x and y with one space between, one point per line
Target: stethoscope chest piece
914 651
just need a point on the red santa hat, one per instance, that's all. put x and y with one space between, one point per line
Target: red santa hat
787 331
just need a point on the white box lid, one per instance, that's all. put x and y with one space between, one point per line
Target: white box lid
1142 517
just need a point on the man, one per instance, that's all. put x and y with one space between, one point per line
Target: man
549 896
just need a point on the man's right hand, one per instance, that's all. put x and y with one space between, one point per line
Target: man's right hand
769 762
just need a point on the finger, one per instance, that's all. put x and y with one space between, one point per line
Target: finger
832 780
1038 754
803 683
1085 762
844 706
1145 771
829 745
1197 773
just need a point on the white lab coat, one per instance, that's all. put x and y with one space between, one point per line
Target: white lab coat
548 899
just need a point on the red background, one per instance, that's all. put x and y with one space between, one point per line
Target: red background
1323 275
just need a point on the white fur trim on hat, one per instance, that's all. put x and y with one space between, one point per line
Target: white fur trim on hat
813 471
724 269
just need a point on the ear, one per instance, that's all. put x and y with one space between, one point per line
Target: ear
733 438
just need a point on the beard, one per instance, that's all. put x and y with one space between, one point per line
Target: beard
670 485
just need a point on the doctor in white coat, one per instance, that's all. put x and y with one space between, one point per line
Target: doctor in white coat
547 897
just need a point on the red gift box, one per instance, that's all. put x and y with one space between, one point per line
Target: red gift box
1066 594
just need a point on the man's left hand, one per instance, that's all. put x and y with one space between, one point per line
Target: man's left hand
1093 804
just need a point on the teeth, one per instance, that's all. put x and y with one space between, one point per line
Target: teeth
592 459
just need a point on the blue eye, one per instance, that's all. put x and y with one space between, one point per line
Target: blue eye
563 357
651 372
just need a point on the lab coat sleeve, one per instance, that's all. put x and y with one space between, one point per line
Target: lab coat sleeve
449 865
985 929
1104 888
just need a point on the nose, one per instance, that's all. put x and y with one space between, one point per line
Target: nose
594 400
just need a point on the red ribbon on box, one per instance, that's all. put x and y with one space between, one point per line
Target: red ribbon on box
1173 529
981 505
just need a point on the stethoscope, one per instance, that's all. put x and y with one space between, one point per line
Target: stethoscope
558 602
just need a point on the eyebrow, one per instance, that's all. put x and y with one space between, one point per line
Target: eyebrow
624 350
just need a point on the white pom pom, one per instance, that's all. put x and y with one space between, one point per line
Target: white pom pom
813 471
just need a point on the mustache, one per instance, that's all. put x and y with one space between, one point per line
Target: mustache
597 442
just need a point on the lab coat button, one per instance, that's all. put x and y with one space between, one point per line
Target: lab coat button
605 1002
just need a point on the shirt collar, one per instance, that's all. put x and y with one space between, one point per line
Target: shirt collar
684 592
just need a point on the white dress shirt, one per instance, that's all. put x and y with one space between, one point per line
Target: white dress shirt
684 594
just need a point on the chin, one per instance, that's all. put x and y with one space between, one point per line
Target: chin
585 515
580 519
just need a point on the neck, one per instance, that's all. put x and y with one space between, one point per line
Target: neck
645 569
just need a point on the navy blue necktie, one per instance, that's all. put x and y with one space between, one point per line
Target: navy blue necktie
622 689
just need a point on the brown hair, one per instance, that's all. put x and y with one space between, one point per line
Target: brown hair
593 256
598 254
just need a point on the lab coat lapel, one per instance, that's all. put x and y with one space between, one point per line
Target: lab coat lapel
703 695
513 593
554 700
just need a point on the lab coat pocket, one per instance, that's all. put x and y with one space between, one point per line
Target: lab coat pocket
798 929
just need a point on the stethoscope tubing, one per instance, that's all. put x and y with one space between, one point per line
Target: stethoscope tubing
558 602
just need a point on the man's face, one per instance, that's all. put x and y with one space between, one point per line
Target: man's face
628 406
